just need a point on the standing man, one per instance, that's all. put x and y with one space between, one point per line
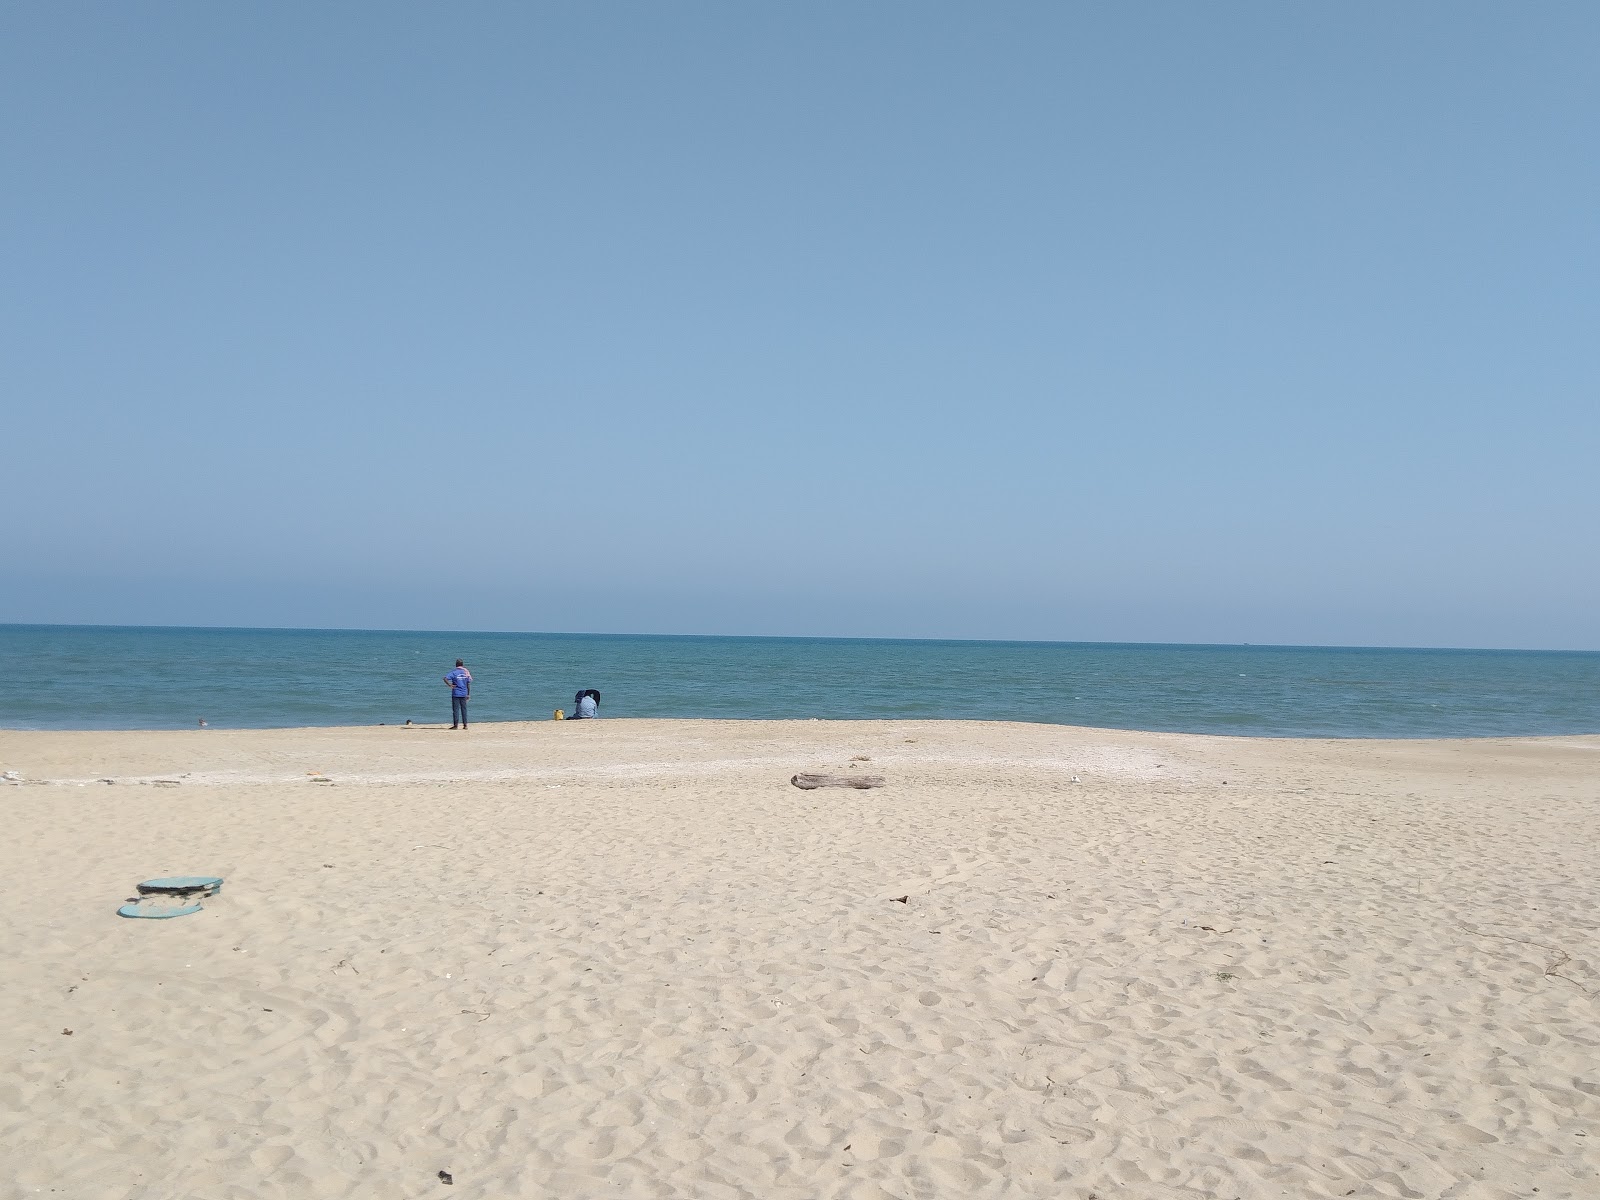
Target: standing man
460 681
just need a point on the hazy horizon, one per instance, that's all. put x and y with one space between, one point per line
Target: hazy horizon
613 633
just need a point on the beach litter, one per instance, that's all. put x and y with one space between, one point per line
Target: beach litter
170 896
808 782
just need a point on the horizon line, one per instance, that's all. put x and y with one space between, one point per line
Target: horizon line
789 637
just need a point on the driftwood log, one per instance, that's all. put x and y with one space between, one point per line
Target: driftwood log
809 782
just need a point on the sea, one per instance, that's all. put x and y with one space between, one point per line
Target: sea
94 677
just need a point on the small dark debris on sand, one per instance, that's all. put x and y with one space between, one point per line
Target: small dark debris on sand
809 782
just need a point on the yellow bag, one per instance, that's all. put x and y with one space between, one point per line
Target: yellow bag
560 716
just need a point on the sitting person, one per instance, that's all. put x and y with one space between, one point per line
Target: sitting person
585 704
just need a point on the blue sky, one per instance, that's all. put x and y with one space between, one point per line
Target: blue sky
1160 322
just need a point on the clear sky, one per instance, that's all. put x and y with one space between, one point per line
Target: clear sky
1146 322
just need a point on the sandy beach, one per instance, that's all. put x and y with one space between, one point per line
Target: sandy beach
629 959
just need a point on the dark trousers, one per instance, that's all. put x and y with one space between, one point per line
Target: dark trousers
458 710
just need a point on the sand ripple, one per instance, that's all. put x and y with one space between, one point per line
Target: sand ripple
636 962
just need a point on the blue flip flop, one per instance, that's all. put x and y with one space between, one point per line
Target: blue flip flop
182 887
156 914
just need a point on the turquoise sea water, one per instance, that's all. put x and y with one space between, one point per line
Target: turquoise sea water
83 677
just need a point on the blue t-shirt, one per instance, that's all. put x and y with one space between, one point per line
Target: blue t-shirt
460 681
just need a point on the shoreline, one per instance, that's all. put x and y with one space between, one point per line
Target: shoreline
435 726
630 957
